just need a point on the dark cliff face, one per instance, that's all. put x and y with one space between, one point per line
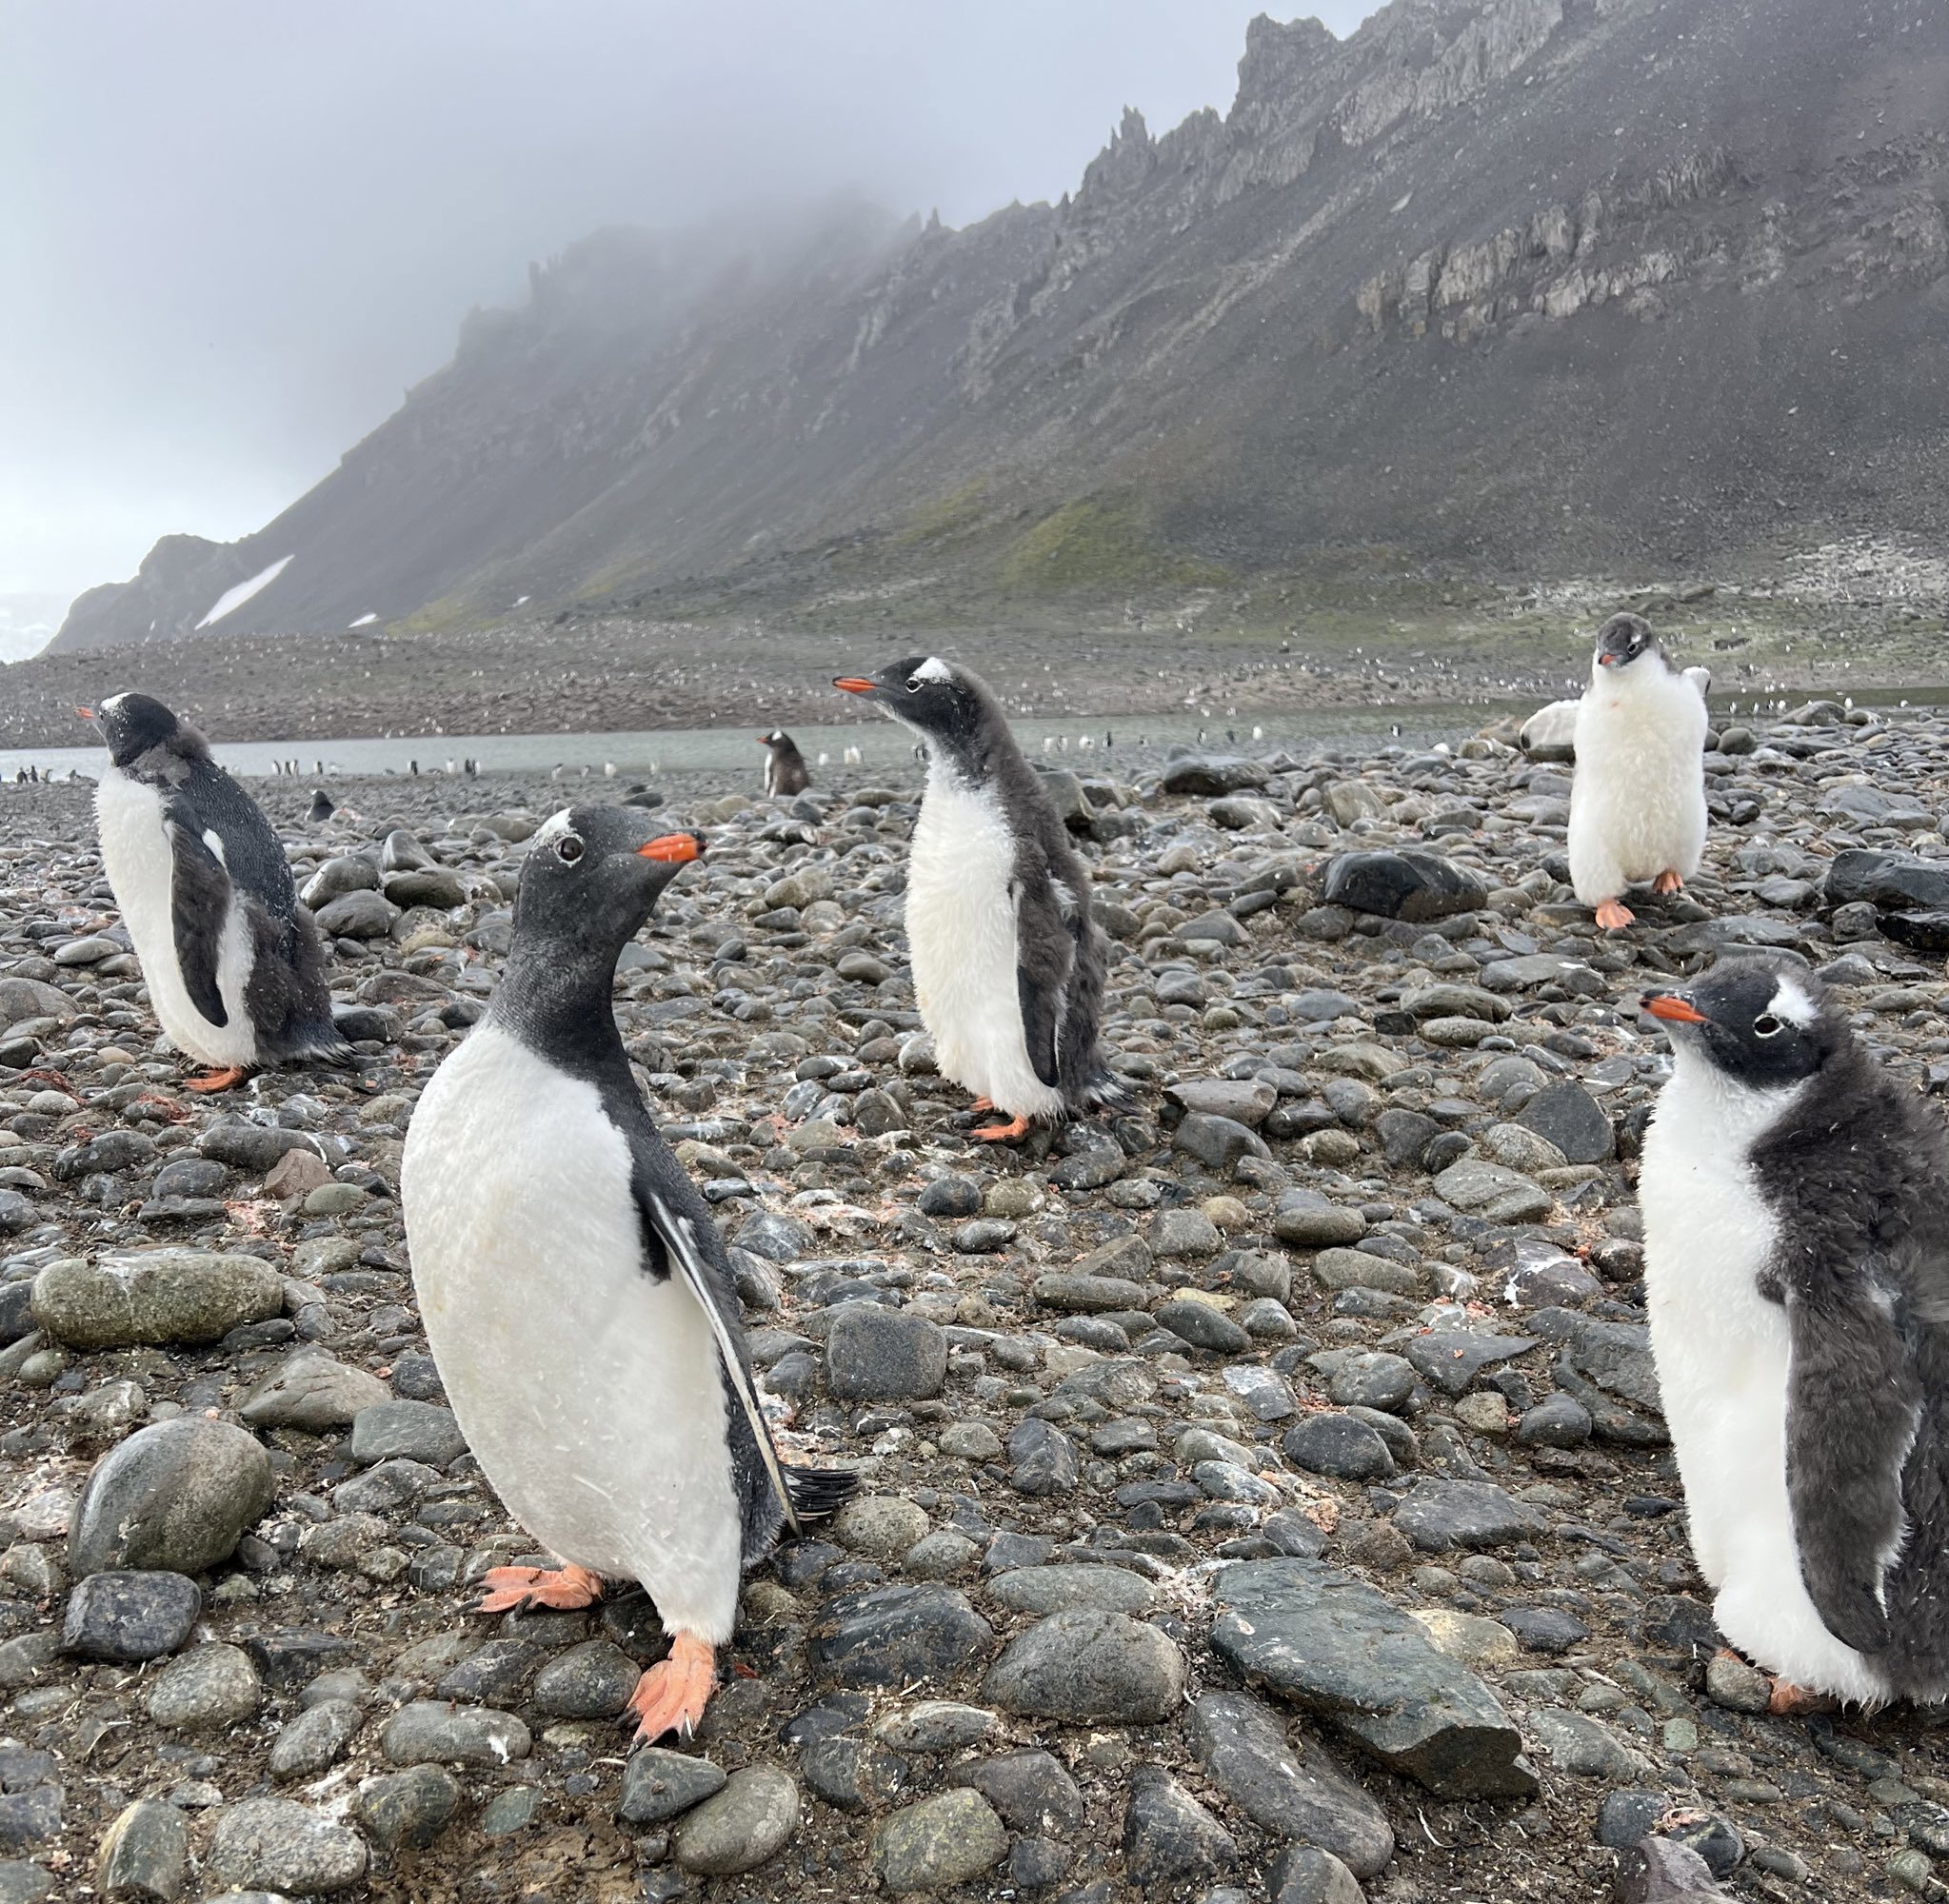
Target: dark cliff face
1524 287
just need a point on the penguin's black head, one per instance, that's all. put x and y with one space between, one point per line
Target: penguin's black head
1622 640
592 876
132 724
777 738
1764 1022
935 698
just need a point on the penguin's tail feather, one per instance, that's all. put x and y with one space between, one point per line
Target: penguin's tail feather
817 1491
1106 1091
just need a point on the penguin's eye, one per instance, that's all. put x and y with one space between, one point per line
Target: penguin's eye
915 684
1766 1026
569 848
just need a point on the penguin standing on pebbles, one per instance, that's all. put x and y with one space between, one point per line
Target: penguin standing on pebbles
1638 800
232 962
786 772
1007 961
580 1303
1796 1204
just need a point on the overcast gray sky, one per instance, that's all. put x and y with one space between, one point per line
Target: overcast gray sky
235 231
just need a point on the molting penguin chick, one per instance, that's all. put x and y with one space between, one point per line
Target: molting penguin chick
786 771
580 1303
233 964
1008 963
1638 801
1796 1269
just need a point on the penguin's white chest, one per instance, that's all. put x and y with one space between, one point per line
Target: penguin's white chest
591 1394
141 868
1637 797
1724 1361
960 930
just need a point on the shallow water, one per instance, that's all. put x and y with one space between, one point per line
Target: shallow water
880 742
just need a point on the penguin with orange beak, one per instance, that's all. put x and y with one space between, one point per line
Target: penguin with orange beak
580 1302
786 772
1797 1276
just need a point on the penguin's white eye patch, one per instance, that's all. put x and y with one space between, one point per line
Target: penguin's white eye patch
933 669
569 848
1766 1026
1790 1003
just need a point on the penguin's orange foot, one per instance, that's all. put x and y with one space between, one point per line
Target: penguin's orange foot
565 1589
1668 881
1791 1701
981 1105
673 1694
1009 1133
217 1081
1614 916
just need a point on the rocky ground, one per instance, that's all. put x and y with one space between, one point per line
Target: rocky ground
1264 1491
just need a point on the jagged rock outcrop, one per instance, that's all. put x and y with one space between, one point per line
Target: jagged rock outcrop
1510 285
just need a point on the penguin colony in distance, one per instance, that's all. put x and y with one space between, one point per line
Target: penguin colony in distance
1796 1271
1638 800
232 962
1008 959
786 771
579 1301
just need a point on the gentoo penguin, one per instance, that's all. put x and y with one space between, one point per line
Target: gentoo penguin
579 1301
322 808
232 962
1797 1268
1007 961
785 767
1637 799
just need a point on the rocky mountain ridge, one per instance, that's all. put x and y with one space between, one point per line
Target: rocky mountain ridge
1531 286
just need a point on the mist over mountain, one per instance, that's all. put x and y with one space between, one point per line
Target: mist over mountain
1513 289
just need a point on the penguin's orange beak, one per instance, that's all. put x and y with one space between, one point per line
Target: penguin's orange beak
1673 1009
86 713
1606 659
765 740
853 683
674 849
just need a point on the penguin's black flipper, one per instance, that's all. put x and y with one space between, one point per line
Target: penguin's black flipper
199 908
678 1234
1854 1404
817 1491
1045 943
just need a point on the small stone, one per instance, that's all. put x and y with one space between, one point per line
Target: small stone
882 1525
509 1810
1204 1327
1657 1870
891 1636
590 1681
1309 1221
1305 1875
1044 1457
129 1615
949 1839
145 1853
1409 884
273 1844
314 1739
1086 1666
168 1296
1339 1446
1569 1117
312 1392
295 1174
1169 1839
430 1732
407 1807
741 1827
969 1441
874 1354
1732 1683
1557 1421
1372 1380
1185 1233
1065 1589
203 1690
1439 1513
22 1883
936 1725
659 1785
1030 1789
413 1431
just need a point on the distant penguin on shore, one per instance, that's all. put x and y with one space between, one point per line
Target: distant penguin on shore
1007 961
580 1301
232 962
1796 1206
785 768
1638 798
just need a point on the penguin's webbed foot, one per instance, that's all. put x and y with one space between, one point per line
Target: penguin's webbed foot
565 1589
1791 1701
1013 1131
217 1081
1613 915
673 1694
1668 881
981 1106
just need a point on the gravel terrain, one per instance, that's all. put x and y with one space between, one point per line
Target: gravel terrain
1265 1495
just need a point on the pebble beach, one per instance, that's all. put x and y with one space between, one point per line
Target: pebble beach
1264 1495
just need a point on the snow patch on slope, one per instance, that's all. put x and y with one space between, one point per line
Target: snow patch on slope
233 598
